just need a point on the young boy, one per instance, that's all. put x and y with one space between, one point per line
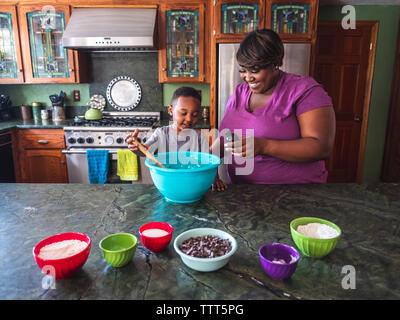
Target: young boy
180 136
184 108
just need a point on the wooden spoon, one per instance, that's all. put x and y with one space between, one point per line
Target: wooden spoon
148 154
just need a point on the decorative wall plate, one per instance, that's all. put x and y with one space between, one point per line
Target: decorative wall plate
124 93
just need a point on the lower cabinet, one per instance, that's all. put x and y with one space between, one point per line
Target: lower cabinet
38 157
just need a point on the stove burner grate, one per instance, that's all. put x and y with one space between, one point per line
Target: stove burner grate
117 122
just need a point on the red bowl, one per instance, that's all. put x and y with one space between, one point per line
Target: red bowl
66 267
156 244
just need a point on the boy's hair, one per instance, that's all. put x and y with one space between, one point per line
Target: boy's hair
185 92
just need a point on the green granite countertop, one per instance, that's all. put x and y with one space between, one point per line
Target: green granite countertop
31 124
368 214
50 124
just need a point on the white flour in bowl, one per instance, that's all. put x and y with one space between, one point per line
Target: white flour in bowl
318 230
62 249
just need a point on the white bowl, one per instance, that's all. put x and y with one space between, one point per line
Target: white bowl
204 264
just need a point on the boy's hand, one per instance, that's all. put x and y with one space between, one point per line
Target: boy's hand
218 184
130 138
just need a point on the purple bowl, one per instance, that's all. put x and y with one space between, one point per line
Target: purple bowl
278 251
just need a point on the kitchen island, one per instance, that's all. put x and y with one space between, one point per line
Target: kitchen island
368 215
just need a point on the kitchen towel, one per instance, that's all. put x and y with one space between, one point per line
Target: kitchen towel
97 166
127 166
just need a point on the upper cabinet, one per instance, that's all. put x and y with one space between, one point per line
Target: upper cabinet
234 19
294 21
181 54
31 49
45 59
10 53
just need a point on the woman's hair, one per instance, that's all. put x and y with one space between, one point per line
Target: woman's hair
261 48
185 92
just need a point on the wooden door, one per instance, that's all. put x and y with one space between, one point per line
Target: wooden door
344 64
45 166
391 158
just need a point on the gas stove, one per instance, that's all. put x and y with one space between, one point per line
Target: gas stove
111 130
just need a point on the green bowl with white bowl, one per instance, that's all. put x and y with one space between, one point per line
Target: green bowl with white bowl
313 247
204 264
118 248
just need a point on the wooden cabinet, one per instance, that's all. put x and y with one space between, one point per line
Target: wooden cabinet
293 20
10 52
181 54
234 19
31 49
38 157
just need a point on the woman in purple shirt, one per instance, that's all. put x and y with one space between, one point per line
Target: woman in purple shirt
290 119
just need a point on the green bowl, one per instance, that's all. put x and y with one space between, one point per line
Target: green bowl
118 249
313 247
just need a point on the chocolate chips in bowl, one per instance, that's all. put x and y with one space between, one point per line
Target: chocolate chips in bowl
206 246
205 249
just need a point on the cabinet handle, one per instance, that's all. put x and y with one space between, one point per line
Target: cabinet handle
43 141
71 70
163 69
20 70
62 162
357 119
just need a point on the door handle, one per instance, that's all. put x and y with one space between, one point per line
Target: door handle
357 119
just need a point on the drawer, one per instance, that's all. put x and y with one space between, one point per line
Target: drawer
42 140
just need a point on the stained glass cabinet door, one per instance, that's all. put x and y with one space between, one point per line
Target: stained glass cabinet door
235 19
10 54
45 57
183 51
292 19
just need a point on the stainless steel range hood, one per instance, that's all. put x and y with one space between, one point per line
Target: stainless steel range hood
111 29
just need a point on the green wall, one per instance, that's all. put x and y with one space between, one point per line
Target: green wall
388 17
169 89
27 93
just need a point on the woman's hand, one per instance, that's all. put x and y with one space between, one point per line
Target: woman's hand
246 147
218 184
130 138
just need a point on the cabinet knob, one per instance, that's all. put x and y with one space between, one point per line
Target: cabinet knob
164 69
357 119
71 70
62 162
20 70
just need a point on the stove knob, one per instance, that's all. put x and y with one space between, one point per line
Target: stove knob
120 140
89 140
138 140
109 140
71 140
144 139
80 140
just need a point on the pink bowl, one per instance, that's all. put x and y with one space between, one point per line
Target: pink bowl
66 267
156 244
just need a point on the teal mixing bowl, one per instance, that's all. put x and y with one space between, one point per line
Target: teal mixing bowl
187 175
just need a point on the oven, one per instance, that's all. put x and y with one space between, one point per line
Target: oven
109 133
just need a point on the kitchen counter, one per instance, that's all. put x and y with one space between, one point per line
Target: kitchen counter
31 124
368 214
50 124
